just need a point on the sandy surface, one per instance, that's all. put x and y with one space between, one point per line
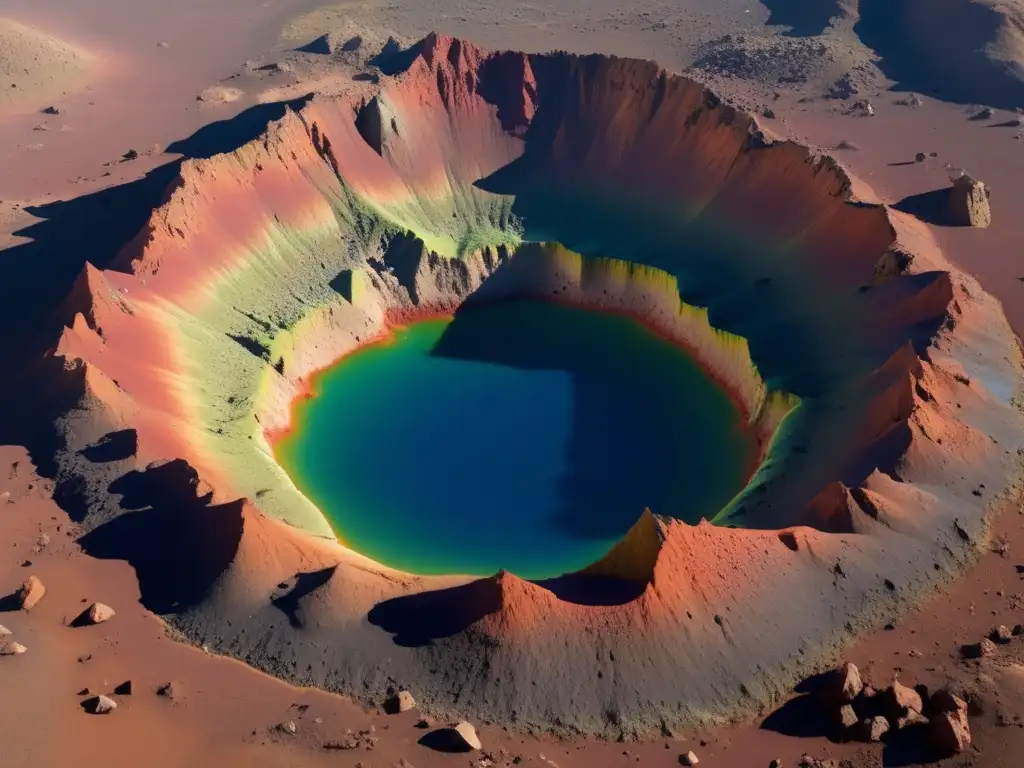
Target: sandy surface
146 99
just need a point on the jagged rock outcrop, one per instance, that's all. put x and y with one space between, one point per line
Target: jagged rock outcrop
969 202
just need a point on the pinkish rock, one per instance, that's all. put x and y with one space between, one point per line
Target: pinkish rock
30 593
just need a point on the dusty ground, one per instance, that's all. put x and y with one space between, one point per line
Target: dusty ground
146 100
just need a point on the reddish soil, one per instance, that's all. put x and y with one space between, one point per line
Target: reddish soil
226 713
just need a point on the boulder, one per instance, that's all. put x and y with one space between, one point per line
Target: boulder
688 759
910 719
168 691
4 631
124 689
98 613
845 719
99 705
1001 634
10 648
400 702
30 593
969 202
873 728
843 685
949 733
467 733
897 700
945 701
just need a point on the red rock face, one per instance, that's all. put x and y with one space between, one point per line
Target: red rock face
902 363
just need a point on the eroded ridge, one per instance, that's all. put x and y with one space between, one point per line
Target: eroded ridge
272 262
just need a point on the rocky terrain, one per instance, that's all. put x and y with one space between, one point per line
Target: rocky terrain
141 555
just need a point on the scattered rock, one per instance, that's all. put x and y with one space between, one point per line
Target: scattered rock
873 729
984 114
920 157
843 88
41 543
845 719
288 727
969 202
168 691
163 44
4 631
99 705
1001 634
945 701
688 759
9 647
911 100
769 113
467 733
863 108
425 722
131 154
979 650
949 733
847 145
124 689
400 702
842 685
53 110
910 720
775 764
897 700
219 94
30 593
98 613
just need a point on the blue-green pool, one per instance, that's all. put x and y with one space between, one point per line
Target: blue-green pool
525 436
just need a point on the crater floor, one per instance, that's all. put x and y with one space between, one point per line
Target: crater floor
521 436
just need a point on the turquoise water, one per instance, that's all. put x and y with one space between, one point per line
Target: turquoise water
524 436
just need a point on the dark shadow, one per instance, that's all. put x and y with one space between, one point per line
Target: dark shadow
114 446
95 228
418 620
10 603
621 451
943 53
801 717
907 747
805 18
288 599
177 543
365 77
81 620
902 163
444 740
583 589
1014 123
931 207
228 135
252 346
322 46
393 59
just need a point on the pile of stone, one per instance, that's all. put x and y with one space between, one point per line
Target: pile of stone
860 713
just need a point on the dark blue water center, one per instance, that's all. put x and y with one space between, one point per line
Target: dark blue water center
524 436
